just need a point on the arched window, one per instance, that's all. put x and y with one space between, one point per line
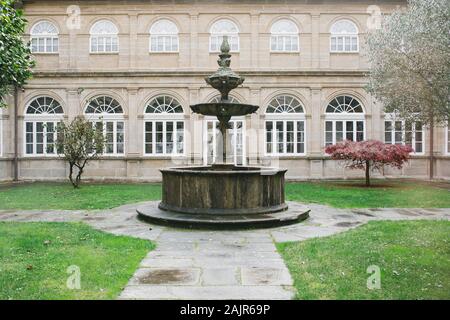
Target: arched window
222 28
344 37
44 38
104 37
398 131
164 36
344 120
107 114
164 127
41 119
285 126
284 36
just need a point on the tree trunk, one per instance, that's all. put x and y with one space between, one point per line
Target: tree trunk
367 173
74 184
431 149
16 135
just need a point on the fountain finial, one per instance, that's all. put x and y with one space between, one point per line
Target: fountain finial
225 47
224 79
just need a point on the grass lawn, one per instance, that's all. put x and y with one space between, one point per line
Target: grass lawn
63 196
413 256
341 194
383 193
34 258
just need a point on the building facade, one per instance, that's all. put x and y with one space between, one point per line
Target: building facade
136 66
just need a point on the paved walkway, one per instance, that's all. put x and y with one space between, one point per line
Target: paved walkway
218 264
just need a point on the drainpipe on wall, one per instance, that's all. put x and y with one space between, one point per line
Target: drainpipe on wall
16 136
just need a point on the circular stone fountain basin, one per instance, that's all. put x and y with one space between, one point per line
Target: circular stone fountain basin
223 189
223 196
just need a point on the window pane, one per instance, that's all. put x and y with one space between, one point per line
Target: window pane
159 137
269 126
289 137
339 131
280 136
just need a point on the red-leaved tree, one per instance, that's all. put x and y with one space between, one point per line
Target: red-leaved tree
369 155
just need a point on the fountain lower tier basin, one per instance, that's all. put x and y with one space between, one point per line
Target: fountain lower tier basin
224 109
223 189
150 213
223 196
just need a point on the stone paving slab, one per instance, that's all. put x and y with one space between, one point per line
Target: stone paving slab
142 292
199 265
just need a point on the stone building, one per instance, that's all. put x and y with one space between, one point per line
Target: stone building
136 66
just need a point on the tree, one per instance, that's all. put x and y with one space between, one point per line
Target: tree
16 61
369 155
410 64
78 143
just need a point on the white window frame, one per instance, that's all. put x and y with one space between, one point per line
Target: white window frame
44 118
104 118
53 37
164 118
274 118
214 142
164 35
284 117
284 35
344 36
110 36
346 117
218 35
391 118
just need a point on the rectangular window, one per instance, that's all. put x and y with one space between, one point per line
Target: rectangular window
40 137
285 137
104 44
44 44
114 133
337 131
164 137
284 43
401 133
166 43
343 43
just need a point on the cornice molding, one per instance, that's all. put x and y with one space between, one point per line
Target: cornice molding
181 73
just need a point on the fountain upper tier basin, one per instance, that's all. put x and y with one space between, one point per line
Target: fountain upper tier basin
224 109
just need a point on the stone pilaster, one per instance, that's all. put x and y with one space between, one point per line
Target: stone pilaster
134 126
133 39
193 40
314 134
315 41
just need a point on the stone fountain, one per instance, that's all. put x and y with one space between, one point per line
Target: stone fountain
223 195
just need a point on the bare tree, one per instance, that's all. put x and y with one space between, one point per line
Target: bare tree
78 143
410 64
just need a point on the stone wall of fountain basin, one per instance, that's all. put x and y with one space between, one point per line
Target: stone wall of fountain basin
223 189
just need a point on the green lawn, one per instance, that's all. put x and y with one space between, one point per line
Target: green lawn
63 196
34 258
384 193
413 256
343 194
